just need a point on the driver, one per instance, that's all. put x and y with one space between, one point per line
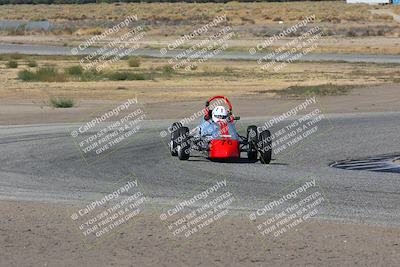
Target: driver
218 126
219 114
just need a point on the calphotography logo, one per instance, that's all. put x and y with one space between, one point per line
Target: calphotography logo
298 126
120 41
103 216
108 131
289 210
202 50
199 211
291 51
196 33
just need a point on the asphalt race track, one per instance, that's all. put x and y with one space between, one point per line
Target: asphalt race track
40 162
237 55
383 163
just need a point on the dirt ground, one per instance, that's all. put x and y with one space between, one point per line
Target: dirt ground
34 234
348 28
370 99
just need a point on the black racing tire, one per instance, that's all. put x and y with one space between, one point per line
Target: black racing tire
252 140
174 137
183 147
265 147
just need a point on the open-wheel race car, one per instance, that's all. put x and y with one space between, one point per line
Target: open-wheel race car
217 137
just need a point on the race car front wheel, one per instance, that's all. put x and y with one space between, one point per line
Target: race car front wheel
265 147
174 138
183 147
252 142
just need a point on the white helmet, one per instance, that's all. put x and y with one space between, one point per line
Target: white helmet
219 113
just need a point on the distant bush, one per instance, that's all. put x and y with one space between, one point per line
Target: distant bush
193 67
49 74
168 69
46 74
328 89
61 102
32 64
12 64
127 76
16 56
26 75
92 75
118 76
134 62
75 70
228 70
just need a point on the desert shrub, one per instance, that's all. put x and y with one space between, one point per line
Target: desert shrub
16 56
12 64
134 62
91 75
26 75
49 74
228 70
328 89
127 76
75 70
57 102
46 74
32 63
168 69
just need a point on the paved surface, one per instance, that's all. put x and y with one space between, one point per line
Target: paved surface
59 50
383 163
40 162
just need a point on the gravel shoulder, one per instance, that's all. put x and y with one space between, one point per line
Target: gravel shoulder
36 234
383 98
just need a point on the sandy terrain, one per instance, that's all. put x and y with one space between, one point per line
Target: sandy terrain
214 77
36 234
371 99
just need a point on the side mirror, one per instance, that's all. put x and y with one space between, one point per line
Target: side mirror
236 118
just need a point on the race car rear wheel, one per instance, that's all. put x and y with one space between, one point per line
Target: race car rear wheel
183 147
265 147
174 137
252 142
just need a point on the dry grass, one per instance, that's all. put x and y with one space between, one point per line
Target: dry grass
250 19
396 9
251 22
241 13
328 89
211 78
